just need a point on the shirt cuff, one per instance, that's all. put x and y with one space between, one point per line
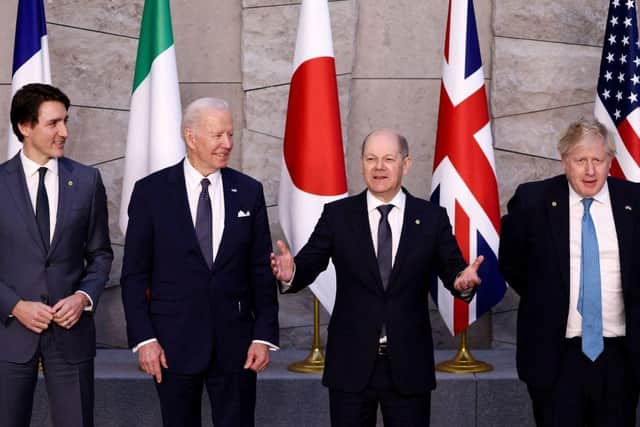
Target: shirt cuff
268 344
136 348
285 286
90 306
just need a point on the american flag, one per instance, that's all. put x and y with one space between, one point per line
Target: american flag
464 179
618 94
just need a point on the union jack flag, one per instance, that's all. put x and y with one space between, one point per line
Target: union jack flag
464 179
618 94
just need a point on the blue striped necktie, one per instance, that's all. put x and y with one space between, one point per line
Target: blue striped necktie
590 299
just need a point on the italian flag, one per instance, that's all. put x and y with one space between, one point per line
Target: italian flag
313 171
153 140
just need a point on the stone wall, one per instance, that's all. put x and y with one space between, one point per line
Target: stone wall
540 62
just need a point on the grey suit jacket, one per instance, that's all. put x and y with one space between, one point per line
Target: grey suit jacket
79 258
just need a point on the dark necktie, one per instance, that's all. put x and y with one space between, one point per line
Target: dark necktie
204 223
384 244
590 299
42 209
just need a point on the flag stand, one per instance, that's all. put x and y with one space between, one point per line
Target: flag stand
314 362
463 362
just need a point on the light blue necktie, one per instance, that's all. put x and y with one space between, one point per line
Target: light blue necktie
590 300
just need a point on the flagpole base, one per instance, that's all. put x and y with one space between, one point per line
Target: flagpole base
463 362
313 364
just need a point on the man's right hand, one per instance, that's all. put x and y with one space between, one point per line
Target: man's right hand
282 265
151 359
35 316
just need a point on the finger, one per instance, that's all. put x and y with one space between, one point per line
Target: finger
477 262
249 362
163 360
284 249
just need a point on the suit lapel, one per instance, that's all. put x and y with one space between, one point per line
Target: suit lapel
557 208
623 219
179 203
67 188
408 237
230 195
359 219
17 186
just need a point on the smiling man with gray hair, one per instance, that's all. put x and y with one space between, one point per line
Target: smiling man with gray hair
198 294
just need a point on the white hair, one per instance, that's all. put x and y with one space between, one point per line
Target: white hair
193 112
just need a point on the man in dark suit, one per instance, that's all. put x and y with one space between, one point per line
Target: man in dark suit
386 246
569 247
199 297
55 258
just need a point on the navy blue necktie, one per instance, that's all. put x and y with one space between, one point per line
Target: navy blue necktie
204 223
590 298
42 209
384 244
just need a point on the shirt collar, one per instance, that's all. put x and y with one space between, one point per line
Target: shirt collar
601 197
31 168
398 201
193 177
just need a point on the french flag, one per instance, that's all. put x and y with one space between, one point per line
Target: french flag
30 54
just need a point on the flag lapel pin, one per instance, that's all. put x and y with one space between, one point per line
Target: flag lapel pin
628 208
234 190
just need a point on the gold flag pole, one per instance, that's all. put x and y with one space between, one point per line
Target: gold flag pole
314 363
463 362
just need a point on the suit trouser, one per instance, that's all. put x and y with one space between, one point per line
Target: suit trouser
69 388
232 397
360 409
595 394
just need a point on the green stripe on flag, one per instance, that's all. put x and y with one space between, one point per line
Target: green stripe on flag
156 36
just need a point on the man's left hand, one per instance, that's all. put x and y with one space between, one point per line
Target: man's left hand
468 278
257 357
68 310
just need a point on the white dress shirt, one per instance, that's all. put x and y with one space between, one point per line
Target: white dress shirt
395 217
613 321
193 181
51 184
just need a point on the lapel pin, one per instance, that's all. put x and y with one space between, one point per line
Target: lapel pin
70 183
418 221
554 203
627 207
234 190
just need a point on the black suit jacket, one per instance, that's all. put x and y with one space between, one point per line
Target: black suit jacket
534 259
79 257
426 247
170 293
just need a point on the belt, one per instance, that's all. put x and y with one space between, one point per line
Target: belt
382 349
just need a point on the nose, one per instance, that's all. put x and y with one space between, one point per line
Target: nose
62 129
227 141
380 164
591 169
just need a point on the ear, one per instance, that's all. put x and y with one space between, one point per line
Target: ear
25 128
188 137
406 165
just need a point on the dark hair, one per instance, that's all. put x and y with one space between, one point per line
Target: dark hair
25 105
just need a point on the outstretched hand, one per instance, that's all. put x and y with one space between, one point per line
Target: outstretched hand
282 265
469 278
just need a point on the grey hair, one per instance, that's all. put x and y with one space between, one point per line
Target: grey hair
581 129
194 110
402 141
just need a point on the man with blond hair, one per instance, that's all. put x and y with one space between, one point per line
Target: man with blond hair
569 247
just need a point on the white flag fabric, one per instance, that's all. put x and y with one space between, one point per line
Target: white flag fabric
313 171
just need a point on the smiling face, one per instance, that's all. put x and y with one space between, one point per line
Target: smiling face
587 165
384 165
210 140
45 139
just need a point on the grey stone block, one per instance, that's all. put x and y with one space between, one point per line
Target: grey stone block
568 21
113 16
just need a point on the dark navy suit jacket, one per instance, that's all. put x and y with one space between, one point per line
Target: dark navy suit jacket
534 259
426 247
169 292
79 257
